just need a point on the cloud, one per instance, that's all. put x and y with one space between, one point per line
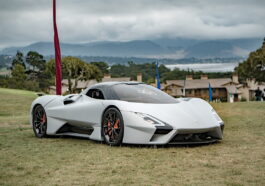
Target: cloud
26 21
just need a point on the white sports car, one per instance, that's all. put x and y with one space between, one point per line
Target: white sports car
127 112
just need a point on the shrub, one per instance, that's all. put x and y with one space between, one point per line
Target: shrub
243 99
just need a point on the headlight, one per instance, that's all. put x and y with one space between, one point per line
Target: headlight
150 119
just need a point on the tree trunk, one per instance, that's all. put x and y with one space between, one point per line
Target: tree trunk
69 85
69 81
75 85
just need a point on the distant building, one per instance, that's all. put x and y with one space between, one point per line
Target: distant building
5 73
81 85
224 89
249 89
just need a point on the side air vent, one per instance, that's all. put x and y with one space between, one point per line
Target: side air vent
80 130
71 99
68 101
162 131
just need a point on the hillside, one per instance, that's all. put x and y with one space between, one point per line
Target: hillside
237 160
210 49
118 49
159 48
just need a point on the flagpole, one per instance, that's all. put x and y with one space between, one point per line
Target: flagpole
210 93
184 89
157 77
58 66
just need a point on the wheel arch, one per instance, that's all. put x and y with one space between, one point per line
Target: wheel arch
110 106
31 112
33 108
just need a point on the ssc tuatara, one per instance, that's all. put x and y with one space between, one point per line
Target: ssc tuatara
127 112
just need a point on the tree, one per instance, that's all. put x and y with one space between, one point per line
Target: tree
18 60
35 60
18 73
75 69
104 67
148 70
119 70
254 66
18 77
36 73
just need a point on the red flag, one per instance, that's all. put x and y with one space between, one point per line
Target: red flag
58 64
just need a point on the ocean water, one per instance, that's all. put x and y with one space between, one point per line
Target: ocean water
206 67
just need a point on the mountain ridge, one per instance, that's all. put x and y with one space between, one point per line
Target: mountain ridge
158 48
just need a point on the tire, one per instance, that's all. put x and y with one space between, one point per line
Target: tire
112 127
39 121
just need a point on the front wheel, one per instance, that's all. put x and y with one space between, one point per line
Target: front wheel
39 121
112 127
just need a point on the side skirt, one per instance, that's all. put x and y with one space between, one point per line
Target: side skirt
70 129
73 134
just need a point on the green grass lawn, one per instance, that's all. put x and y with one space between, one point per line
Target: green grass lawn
25 160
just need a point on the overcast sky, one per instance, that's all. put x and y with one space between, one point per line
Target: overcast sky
26 21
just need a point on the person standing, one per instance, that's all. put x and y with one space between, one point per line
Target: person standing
263 95
258 94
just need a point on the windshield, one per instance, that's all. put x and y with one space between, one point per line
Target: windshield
141 93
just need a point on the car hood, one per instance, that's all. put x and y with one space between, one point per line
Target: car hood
191 114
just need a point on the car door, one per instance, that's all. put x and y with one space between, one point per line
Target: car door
82 110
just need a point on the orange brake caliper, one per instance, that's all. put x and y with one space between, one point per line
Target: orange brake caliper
43 118
117 124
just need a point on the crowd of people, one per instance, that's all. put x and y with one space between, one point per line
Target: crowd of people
260 96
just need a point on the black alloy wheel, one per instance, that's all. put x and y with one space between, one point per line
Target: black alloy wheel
112 127
39 121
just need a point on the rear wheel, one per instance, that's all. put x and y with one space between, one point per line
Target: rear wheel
39 121
112 127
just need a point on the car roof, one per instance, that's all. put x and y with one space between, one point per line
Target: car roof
109 84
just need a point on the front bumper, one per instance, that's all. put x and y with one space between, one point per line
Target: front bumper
136 131
188 136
